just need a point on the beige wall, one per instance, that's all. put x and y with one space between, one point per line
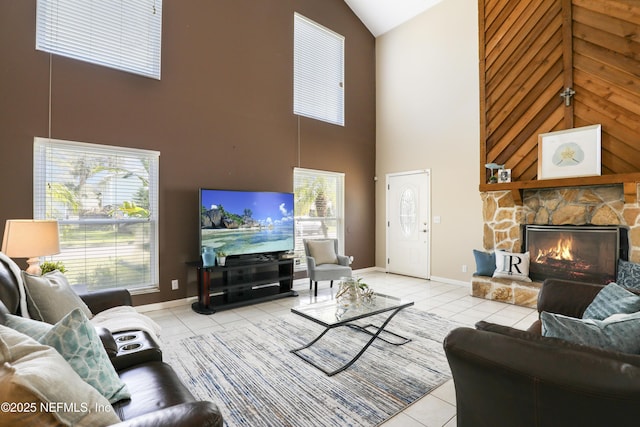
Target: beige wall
428 118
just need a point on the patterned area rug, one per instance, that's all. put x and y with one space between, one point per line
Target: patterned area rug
255 380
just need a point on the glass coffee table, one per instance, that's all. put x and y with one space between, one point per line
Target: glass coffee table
333 314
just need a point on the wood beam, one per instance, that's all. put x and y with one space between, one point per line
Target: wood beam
629 182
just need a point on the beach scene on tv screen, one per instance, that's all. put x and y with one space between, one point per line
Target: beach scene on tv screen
244 222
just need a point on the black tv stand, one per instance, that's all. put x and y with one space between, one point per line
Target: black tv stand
242 281
250 259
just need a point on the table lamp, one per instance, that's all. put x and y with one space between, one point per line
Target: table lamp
31 238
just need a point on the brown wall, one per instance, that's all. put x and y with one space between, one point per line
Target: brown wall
221 116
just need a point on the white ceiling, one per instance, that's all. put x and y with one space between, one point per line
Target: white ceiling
380 16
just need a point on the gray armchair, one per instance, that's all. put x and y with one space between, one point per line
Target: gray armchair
324 263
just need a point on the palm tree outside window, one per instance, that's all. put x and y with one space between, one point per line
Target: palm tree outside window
319 208
105 199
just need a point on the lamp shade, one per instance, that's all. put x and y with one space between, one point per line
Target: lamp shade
28 238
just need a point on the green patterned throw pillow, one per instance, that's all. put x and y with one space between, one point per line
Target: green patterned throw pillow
628 275
620 332
76 339
612 299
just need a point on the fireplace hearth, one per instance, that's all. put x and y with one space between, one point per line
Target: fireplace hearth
585 252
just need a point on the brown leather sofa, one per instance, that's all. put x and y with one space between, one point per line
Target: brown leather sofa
158 397
509 377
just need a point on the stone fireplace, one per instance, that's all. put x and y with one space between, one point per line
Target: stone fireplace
504 221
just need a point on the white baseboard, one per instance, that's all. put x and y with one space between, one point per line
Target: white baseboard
450 281
433 278
367 270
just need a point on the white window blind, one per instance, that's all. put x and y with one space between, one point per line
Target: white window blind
319 208
318 72
106 202
120 34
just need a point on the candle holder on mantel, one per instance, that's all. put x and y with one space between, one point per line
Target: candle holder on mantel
494 177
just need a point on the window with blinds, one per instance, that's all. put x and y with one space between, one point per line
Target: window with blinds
106 202
318 72
319 208
125 35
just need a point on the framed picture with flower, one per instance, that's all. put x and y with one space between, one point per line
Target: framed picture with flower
570 153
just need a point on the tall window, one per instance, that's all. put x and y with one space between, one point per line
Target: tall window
125 35
319 208
106 202
318 72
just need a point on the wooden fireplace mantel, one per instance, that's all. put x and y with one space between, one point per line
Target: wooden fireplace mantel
629 181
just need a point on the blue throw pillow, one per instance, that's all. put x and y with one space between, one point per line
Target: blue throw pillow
76 339
612 299
485 263
620 332
628 274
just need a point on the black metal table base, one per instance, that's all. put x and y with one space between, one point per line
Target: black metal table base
365 329
374 335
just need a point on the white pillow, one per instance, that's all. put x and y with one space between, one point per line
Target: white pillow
323 251
77 341
510 265
35 374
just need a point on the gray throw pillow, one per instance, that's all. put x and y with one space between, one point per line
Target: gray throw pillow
36 329
323 251
50 297
620 332
628 274
612 299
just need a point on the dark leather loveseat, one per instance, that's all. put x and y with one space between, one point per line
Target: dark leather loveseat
509 377
158 397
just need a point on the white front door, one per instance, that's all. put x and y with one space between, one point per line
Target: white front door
408 220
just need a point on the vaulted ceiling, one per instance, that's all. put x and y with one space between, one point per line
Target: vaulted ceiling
380 16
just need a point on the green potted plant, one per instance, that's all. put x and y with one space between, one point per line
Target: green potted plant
222 258
49 266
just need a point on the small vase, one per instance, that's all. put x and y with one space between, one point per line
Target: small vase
208 257
348 291
352 295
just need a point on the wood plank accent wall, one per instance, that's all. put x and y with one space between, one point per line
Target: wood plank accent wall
531 50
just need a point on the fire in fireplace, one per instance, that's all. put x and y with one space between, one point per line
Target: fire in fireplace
585 253
562 251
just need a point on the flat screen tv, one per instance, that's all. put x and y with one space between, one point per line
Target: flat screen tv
241 223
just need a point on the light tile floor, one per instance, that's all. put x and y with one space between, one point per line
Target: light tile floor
437 409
